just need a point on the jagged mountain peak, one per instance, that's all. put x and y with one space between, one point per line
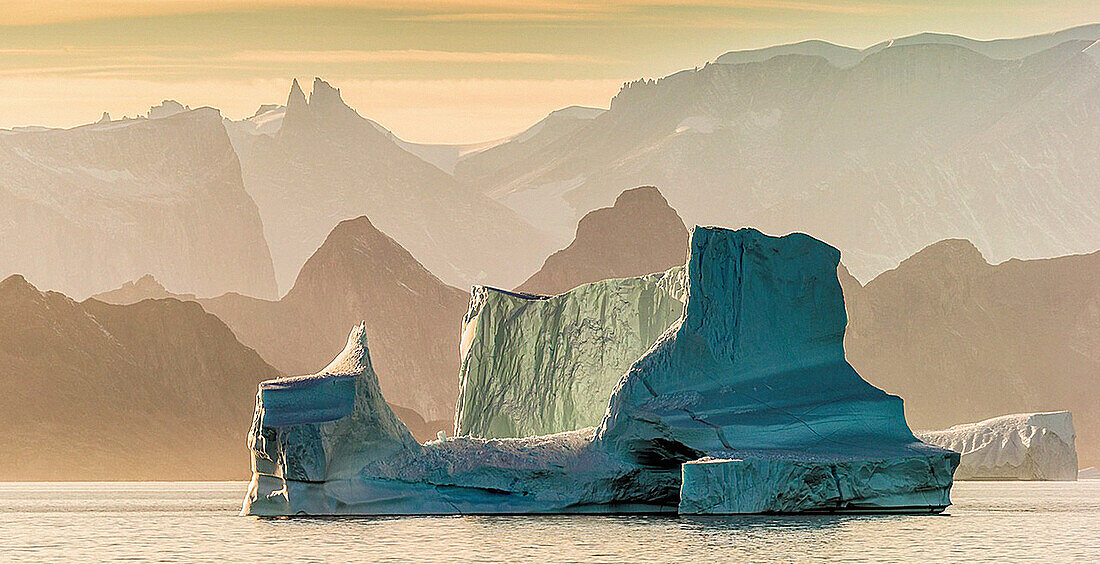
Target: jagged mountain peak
296 97
167 108
325 108
323 92
145 288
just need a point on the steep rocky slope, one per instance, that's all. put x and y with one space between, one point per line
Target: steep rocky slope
359 274
962 340
83 210
158 390
639 234
327 163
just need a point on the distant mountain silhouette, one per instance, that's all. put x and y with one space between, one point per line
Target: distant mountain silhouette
83 210
144 288
359 274
158 390
638 235
326 163
962 340
840 56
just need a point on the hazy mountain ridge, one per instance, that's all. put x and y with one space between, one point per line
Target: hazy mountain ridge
83 210
488 166
914 144
93 391
359 274
842 56
327 163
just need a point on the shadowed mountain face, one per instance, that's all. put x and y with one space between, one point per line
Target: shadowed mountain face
157 390
639 235
912 144
359 274
962 340
83 210
327 163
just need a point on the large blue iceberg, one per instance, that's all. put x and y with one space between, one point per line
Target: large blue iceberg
744 405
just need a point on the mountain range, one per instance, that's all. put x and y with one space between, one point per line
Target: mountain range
325 163
931 161
158 390
83 210
920 140
358 274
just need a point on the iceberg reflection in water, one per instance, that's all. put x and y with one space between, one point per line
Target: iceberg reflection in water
196 521
745 404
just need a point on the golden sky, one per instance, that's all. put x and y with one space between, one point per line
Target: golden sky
432 71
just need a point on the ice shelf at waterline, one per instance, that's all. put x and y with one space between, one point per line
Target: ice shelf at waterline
745 404
1023 446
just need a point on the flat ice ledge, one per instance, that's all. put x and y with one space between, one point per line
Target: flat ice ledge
722 486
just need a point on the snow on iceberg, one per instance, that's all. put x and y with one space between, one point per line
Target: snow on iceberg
745 404
1023 446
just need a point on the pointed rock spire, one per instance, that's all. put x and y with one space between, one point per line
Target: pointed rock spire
297 109
326 102
297 98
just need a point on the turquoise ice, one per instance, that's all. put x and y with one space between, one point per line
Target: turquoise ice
745 404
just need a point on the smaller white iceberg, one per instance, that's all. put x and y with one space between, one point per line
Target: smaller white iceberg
1024 446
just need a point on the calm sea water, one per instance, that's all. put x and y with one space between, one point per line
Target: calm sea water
186 521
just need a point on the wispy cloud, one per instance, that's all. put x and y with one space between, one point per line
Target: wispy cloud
409 56
38 12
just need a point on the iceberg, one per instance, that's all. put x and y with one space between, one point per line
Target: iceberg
745 404
1023 446
537 365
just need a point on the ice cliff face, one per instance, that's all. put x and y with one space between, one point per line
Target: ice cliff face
535 365
1026 446
83 210
750 381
